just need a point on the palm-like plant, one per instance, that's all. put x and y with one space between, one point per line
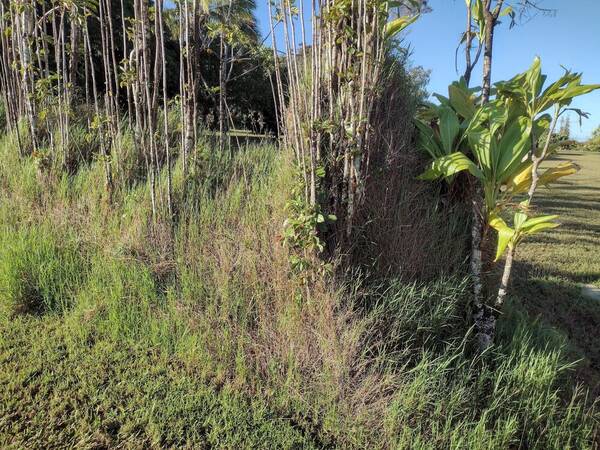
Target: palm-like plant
499 145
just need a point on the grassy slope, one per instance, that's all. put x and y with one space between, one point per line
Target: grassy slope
553 266
106 340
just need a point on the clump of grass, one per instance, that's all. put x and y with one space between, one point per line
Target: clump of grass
18 176
511 400
39 272
117 300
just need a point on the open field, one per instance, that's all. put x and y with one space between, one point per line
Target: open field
553 267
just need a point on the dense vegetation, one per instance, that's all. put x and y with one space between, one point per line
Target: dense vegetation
162 286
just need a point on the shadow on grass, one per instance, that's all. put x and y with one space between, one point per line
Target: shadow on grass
554 299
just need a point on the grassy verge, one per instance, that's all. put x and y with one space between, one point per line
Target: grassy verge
553 267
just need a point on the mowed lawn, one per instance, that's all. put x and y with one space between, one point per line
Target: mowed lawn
554 266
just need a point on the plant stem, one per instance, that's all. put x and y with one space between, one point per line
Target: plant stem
505 277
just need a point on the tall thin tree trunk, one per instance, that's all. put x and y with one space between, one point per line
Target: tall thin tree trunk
222 93
163 65
484 316
26 34
107 171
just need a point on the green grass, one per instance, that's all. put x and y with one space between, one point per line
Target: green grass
39 271
553 266
111 394
205 339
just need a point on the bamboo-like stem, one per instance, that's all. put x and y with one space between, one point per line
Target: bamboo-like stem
107 171
331 96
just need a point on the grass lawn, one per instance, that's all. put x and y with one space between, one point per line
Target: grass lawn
554 266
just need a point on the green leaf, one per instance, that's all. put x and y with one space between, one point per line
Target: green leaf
395 26
519 219
444 101
534 77
541 227
461 101
542 124
505 234
532 224
513 147
427 141
575 91
449 128
449 165
480 141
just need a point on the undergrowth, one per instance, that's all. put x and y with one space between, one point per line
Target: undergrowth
120 331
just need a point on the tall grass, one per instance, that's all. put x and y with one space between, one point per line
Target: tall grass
203 336
39 272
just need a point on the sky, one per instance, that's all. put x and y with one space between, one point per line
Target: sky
570 38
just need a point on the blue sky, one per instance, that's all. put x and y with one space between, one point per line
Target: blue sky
570 38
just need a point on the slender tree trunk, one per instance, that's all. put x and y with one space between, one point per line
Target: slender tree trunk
163 64
222 93
505 278
25 37
468 44
485 320
127 65
491 20
107 171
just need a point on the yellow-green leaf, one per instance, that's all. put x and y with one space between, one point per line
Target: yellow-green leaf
532 225
395 26
505 234
561 170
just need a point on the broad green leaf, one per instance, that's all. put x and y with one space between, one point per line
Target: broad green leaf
461 101
534 78
428 112
573 91
538 224
480 142
513 147
505 234
449 165
535 221
449 128
427 141
519 219
541 227
444 101
542 124
395 26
